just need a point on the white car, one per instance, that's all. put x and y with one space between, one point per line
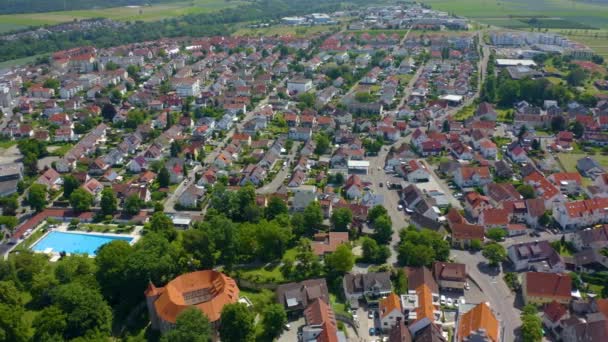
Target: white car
400 207
370 315
450 302
442 300
467 286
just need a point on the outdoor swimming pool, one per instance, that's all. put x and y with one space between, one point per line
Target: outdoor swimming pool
74 243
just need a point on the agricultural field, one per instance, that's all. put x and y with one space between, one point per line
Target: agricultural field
296 31
595 39
131 13
516 13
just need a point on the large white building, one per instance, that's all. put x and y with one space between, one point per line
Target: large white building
299 86
580 214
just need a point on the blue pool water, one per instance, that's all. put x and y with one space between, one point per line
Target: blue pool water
75 243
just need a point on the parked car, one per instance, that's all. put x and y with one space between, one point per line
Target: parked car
380 184
400 207
442 300
372 331
450 302
370 315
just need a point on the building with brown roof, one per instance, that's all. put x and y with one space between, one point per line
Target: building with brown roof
478 324
206 290
328 242
540 288
535 255
321 323
553 313
464 233
295 297
450 275
372 284
418 276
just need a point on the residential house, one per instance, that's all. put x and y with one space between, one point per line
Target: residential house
417 171
589 238
295 297
320 323
303 196
535 255
541 288
589 167
553 314
450 275
583 213
471 176
372 284
137 164
191 196
478 324
391 312
568 182
51 179
324 243
353 187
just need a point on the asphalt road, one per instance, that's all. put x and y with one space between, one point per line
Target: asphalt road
280 177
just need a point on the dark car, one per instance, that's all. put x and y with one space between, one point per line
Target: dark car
380 184
372 331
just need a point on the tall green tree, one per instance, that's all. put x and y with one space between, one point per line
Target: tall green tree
108 202
191 325
274 321
237 323
86 310
313 217
50 324
341 219
341 260
132 205
383 229
111 260
276 206
163 177
495 253
531 325
70 183
36 197
81 200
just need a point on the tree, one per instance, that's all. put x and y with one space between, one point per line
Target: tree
536 145
276 206
576 77
86 310
163 177
12 323
307 100
341 260
495 253
322 144
132 205
191 325
201 247
496 234
111 260
527 191
308 265
50 324
578 129
383 229
237 323
531 325
108 202
161 223
9 205
108 111
313 216
376 212
341 218
508 93
372 252
274 321
475 245
558 123
134 118
70 183
400 281
81 200
36 197
446 126
421 247
545 219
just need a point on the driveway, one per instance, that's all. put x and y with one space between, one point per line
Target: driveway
490 281
291 335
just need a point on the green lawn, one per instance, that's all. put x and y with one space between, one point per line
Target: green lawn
337 306
465 113
283 30
568 160
62 150
144 13
267 274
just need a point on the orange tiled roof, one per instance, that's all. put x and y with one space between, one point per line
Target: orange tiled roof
425 307
218 289
390 303
480 317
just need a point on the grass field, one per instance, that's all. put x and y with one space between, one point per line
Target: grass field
568 160
563 13
144 13
283 30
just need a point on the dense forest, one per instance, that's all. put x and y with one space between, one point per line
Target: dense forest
35 6
189 25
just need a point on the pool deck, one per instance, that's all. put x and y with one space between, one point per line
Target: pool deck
63 227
